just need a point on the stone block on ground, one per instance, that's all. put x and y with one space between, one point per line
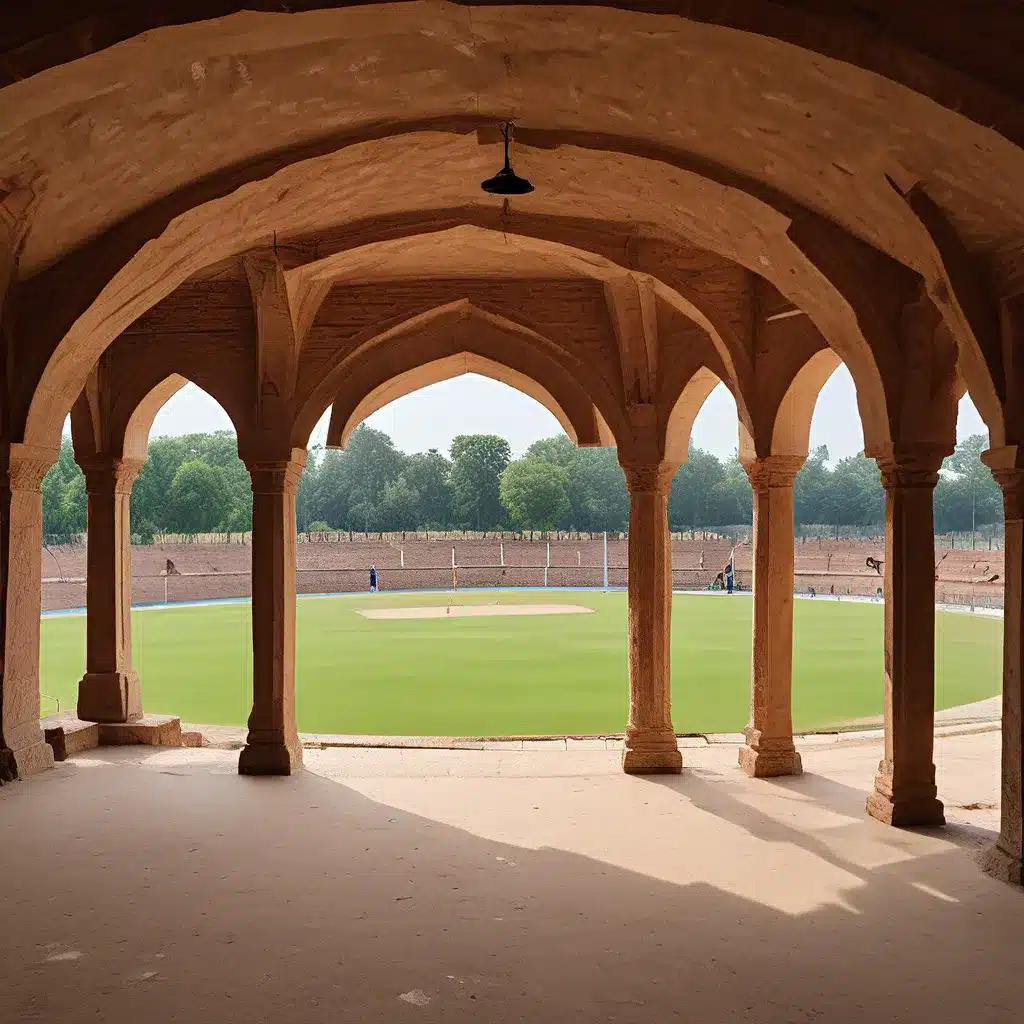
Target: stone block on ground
149 730
68 735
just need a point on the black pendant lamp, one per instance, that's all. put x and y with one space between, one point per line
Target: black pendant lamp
506 182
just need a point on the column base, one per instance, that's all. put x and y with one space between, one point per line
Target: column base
770 762
906 807
30 760
652 754
109 697
270 758
998 863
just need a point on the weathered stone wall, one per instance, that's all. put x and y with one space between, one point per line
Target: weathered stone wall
222 570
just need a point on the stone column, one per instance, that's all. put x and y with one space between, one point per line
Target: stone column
651 745
273 747
769 749
23 751
109 691
905 793
1006 858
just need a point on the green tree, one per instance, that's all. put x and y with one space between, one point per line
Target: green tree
597 486
74 505
64 497
855 496
151 492
731 502
307 489
690 502
535 492
810 488
429 475
967 495
478 460
198 498
399 506
329 492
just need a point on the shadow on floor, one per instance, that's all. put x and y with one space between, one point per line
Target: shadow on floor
187 893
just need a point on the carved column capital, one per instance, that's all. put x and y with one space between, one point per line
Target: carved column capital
1010 477
110 474
28 464
773 471
649 477
1011 482
275 476
910 468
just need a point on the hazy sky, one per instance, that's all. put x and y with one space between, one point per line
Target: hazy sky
476 405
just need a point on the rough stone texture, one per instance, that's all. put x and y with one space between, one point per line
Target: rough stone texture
23 750
905 792
151 730
67 734
272 746
769 750
650 746
110 691
1006 858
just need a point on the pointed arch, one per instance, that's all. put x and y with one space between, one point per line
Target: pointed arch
791 430
718 217
343 421
140 423
685 412
461 329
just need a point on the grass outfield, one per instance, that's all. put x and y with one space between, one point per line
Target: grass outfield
517 675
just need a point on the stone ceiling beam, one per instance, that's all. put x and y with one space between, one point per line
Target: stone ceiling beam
959 288
277 343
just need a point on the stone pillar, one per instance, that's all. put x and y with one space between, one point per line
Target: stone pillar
273 747
769 750
23 751
651 745
905 793
109 691
1006 858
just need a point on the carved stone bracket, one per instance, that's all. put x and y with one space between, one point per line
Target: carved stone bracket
910 468
649 477
275 477
110 474
773 471
28 464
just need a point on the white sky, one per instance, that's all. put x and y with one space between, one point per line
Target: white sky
477 405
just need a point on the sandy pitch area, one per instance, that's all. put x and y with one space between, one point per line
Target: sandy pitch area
444 611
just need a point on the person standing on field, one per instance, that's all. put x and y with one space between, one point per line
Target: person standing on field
373 579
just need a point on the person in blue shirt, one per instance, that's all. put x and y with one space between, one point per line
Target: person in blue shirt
373 579
730 578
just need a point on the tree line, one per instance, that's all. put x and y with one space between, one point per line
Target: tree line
197 484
